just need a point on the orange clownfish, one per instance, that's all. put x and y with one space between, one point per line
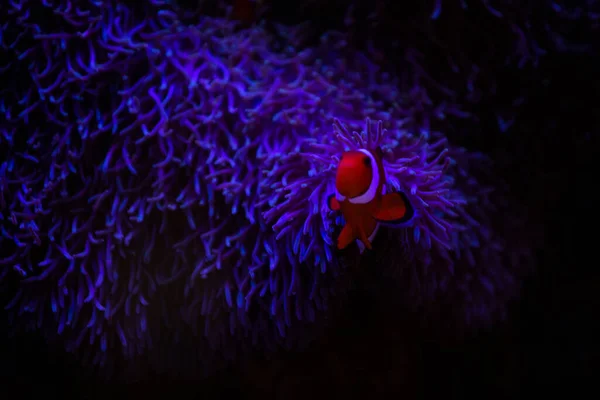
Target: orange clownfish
359 194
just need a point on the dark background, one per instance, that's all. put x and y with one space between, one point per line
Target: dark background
549 341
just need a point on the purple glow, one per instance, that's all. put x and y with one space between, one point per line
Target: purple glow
160 176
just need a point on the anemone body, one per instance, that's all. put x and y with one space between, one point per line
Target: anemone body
165 184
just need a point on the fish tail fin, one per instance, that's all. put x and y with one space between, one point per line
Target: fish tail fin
359 243
361 246
365 240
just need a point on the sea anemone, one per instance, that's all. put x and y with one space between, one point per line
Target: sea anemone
469 52
166 183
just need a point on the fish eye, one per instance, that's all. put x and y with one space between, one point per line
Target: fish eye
367 161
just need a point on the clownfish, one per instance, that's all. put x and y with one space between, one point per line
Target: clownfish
360 196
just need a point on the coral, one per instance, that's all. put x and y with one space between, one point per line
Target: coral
164 182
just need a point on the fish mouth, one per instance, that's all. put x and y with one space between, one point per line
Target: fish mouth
343 196
347 196
358 195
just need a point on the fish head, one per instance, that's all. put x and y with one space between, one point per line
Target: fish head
357 177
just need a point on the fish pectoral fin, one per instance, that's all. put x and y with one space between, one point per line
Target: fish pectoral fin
333 203
346 237
395 209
